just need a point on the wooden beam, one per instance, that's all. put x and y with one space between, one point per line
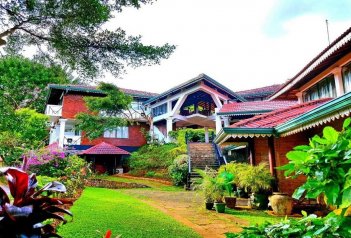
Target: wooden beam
271 156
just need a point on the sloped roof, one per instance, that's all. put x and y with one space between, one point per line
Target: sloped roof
259 92
193 81
104 149
254 107
93 89
335 51
278 117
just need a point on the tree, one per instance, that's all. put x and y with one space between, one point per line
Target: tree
28 130
105 112
72 33
23 83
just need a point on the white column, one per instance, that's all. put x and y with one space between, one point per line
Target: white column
226 122
339 86
218 121
169 128
299 97
207 139
151 131
62 132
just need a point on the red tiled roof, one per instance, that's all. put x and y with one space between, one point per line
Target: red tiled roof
277 117
255 106
104 149
263 91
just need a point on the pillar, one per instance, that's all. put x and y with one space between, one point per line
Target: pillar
207 139
271 155
218 121
339 85
169 128
226 122
62 132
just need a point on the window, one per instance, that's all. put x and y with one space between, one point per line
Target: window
346 77
323 89
160 110
137 105
119 132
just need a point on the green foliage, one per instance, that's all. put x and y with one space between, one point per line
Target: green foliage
71 32
72 171
28 130
251 178
255 178
23 82
105 112
151 157
326 164
103 209
76 172
212 185
309 226
178 171
192 134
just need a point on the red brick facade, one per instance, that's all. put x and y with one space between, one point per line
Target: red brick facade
282 146
136 138
74 104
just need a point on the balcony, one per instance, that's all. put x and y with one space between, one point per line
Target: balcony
53 110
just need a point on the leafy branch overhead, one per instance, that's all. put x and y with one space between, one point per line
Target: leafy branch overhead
72 33
105 113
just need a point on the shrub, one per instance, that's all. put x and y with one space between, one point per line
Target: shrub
178 171
309 226
151 158
72 171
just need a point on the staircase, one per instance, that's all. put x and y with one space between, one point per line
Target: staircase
201 155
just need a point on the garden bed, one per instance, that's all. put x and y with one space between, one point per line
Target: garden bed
101 183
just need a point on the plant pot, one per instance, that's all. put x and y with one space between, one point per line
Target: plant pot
209 205
220 207
281 203
230 202
259 201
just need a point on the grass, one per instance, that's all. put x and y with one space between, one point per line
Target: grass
103 209
254 216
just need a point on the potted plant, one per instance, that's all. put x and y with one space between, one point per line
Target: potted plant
257 180
207 186
212 187
218 194
229 185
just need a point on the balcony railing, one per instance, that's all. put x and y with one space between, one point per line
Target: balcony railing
53 110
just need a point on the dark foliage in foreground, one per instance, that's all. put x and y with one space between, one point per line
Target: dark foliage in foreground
24 217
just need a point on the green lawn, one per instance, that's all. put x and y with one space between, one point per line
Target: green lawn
254 216
103 209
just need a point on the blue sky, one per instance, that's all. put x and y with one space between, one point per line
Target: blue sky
241 44
285 10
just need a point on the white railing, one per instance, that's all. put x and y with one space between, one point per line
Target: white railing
72 140
53 110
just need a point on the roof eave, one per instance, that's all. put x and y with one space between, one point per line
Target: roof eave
239 113
326 109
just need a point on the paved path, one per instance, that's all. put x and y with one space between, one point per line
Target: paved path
188 208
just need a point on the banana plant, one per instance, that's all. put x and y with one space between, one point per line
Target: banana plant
23 215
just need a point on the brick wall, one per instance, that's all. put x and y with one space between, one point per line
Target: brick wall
282 146
136 138
72 105
261 150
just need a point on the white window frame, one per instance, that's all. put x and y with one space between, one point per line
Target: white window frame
121 132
